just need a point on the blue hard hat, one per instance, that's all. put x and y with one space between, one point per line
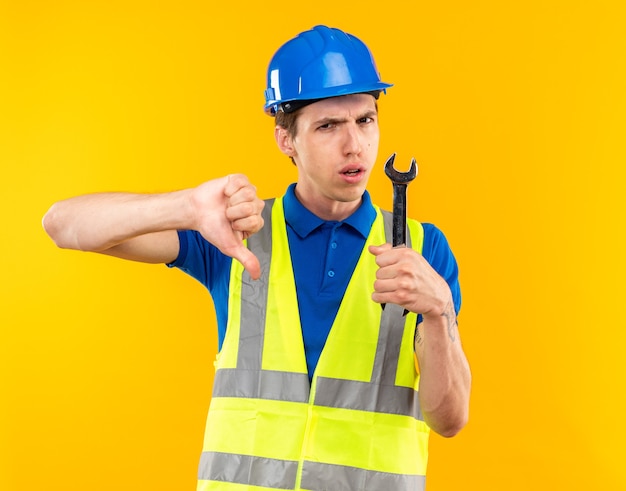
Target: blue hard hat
317 64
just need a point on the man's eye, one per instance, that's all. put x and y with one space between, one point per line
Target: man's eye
365 120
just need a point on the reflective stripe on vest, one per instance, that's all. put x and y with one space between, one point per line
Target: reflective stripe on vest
280 474
358 426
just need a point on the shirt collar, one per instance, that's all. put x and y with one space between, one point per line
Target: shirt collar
303 222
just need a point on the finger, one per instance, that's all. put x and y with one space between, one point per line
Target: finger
387 294
248 226
385 285
245 194
387 273
385 254
379 297
249 260
235 183
244 210
378 250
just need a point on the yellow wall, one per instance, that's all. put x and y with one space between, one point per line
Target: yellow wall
515 112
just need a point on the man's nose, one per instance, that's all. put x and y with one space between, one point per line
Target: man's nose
352 140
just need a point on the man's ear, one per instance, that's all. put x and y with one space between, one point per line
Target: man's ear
284 141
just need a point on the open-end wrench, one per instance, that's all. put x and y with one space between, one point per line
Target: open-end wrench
400 181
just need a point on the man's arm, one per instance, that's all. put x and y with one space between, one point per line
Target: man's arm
445 377
405 278
143 227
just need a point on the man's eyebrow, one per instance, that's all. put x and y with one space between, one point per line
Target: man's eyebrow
329 120
369 114
336 120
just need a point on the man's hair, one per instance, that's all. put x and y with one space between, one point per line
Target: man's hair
288 121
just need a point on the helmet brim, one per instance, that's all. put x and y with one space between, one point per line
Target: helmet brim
294 104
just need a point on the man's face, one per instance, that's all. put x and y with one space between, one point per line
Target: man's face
334 149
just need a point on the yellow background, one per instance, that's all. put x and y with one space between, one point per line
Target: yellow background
515 112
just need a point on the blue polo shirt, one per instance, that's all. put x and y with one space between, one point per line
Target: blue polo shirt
324 255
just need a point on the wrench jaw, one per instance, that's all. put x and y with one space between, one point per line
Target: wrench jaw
398 177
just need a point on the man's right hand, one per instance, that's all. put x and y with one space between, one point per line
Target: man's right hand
228 211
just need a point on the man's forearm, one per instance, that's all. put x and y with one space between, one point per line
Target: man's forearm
98 222
445 377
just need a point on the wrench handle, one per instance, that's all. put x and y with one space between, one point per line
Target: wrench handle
399 214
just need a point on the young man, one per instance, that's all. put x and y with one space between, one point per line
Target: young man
323 380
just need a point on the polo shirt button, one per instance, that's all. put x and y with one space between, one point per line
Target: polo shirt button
331 273
334 245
